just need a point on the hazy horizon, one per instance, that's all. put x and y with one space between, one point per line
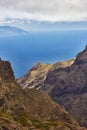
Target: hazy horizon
24 51
31 14
57 31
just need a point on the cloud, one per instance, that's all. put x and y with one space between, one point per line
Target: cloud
47 10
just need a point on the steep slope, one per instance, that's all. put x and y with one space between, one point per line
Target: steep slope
6 72
37 76
67 85
24 109
71 90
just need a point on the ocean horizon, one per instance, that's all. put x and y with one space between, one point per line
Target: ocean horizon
41 46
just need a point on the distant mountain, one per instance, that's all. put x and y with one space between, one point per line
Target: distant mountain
8 30
45 25
65 82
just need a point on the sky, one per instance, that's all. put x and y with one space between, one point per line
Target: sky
44 10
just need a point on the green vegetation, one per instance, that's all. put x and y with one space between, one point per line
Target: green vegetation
5 116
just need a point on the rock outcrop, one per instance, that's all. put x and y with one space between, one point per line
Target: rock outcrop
6 72
81 57
37 76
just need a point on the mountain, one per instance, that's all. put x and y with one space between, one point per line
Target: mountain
65 82
8 30
29 109
44 25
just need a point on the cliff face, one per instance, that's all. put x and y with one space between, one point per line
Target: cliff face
6 72
35 77
71 91
71 87
81 57
38 75
24 109
66 83
75 79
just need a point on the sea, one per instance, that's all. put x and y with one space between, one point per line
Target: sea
23 51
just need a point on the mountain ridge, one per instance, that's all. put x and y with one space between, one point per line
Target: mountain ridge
67 85
39 72
10 30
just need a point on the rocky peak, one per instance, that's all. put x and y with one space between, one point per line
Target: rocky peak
81 57
6 72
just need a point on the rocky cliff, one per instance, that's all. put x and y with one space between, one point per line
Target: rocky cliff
6 72
37 76
24 109
66 83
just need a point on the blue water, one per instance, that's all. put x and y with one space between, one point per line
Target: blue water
45 47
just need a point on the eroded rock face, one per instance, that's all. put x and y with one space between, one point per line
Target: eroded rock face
66 83
81 57
38 75
35 77
6 72
71 88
